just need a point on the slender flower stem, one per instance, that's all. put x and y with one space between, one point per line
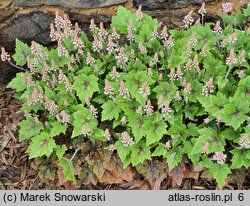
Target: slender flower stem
169 52
218 125
228 71
72 95
76 151
224 24
217 42
16 66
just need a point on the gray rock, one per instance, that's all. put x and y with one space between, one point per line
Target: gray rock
174 20
83 4
6 10
36 26
167 4
84 20
26 27
7 72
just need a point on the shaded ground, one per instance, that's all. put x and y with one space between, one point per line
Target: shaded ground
18 172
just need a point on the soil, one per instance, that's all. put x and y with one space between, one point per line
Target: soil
17 171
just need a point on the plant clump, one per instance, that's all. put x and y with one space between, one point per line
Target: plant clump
140 89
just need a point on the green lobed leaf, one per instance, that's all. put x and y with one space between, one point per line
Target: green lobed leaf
80 117
222 82
122 151
137 122
214 104
212 138
166 90
174 157
219 171
196 91
145 31
17 82
160 150
128 107
121 21
240 17
191 111
139 153
85 86
234 113
60 151
110 111
246 11
29 128
40 145
57 128
214 67
133 83
60 61
178 131
155 130
177 58
22 51
187 149
239 158
230 134
97 134
243 89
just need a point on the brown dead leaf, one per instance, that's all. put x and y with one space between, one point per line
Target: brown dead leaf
207 175
77 170
98 168
158 181
154 172
69 185
115 173
194 172
46 173
60 175
237 177
139 184
178 174
87 176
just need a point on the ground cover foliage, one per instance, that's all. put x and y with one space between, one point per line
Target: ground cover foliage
167 102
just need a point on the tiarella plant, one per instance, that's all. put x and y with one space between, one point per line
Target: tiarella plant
147 92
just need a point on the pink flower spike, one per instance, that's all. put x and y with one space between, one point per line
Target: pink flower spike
202 11
188 19
4 55
220 157
227 7
139 13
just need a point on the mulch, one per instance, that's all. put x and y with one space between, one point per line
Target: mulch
17 171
